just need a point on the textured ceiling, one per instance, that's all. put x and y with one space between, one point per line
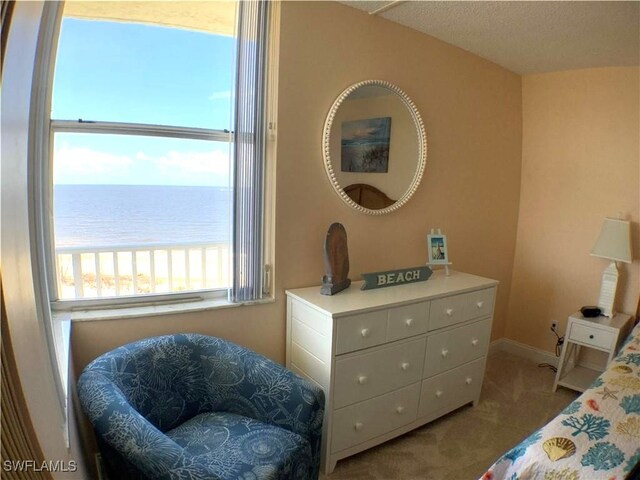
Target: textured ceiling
527 36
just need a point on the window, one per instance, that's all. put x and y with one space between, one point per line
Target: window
157 141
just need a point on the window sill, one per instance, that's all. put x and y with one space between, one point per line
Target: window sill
116 313
61 333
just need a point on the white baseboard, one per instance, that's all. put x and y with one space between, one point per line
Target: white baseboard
522 350
532 353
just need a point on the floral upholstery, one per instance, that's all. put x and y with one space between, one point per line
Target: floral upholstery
189 406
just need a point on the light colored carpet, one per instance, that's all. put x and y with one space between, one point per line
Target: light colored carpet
516 400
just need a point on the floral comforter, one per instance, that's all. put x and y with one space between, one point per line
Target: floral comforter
597 437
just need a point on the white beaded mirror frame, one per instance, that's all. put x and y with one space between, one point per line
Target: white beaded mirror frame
421 140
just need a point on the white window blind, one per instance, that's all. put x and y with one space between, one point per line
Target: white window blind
249 151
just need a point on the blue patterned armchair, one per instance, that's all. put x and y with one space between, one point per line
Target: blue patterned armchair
192 407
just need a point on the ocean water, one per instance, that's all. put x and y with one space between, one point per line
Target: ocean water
110 215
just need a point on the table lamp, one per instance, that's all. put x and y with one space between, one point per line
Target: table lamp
614 243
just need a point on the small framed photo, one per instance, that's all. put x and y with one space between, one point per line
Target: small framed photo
437 246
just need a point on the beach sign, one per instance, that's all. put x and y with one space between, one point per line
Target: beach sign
392 278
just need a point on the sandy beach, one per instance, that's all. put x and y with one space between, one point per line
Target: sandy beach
206 268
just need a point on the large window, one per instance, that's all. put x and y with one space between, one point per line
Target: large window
145 164
46 149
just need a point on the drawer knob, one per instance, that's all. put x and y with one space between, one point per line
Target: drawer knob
591 336
400 410
449 311
408 322
468 381
445 352
480 304
362 379
405 366
438 394
365 332
474 342
358 426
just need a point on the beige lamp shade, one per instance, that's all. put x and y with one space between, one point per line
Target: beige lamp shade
614 242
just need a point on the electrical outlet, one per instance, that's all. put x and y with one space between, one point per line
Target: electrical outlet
553 325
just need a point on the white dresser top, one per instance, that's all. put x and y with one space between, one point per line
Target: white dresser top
353 299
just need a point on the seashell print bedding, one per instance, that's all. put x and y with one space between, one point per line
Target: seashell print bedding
597 437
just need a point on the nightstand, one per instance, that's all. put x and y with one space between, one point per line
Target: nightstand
600 333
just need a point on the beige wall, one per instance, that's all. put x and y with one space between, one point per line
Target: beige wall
471 110
472 114
580 163
577 147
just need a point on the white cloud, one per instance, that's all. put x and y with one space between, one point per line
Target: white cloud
80 163
224 95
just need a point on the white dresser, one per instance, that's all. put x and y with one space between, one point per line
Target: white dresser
391 359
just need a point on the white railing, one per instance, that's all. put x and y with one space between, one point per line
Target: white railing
97 272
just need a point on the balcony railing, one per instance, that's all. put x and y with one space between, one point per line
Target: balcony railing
140 269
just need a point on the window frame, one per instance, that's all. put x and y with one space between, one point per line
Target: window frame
42 336
133 129
45 129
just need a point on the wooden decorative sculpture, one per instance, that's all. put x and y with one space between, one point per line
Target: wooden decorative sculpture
336 261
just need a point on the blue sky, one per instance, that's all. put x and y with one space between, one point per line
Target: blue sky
125 72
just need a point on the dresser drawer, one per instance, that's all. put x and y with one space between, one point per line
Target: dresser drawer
479 304
407 321
451 389
365 420
593 337
454 347
446 311
365 330
368 375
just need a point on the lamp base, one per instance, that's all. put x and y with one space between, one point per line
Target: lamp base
608 290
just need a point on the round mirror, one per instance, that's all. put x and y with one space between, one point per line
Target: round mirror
374 147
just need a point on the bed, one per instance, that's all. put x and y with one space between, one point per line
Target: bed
595 437
368 196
